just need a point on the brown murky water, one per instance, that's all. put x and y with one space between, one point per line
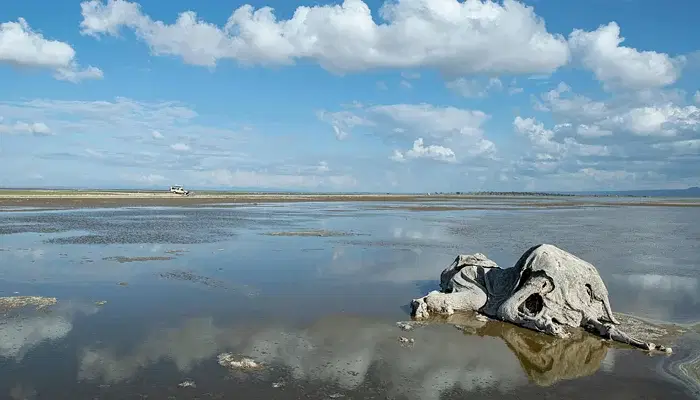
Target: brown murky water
147 298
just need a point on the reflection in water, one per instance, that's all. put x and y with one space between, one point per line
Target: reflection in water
349 351
545 359
21 392
662 297
198 339
549 360
666 283
371 274
22 331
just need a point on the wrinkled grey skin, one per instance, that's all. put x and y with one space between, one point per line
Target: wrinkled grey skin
547 290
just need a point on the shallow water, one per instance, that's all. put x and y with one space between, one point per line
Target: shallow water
182 285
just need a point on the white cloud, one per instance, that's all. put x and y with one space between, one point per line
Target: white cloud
271 180
75 76
180 147
322 167
381 85
547 149
542 139
562 101
475 87
431 152
439 122
620 66
397 156
118 127
157 135
452 36
643 114
342 122
681 147
406 84
20 127
21 46
449 128
663 120
144 178
696 98
591 131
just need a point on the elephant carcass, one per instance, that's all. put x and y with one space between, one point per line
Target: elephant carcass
547 290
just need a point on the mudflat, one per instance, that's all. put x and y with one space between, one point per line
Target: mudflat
420 202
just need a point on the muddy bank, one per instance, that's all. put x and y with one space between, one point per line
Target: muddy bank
16 200
18 302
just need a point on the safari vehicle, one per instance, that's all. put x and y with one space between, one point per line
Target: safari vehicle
178 189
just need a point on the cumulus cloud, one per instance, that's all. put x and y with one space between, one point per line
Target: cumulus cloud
620 66
450 129
592 131
273 180
453 36
549 154
157 135
21 46
432 152
180 147
342 122
20 127
542 139
646 115
144 178
681 147
115 140
630 139
438 122
322 167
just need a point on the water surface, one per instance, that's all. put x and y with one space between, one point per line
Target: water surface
182 285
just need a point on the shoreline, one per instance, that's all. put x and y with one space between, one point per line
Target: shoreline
92 199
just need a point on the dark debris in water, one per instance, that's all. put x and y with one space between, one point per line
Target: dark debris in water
189 276
316 233
192 277
122 259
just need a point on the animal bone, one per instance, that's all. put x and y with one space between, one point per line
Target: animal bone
548 290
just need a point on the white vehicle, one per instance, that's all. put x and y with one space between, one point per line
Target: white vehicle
178 189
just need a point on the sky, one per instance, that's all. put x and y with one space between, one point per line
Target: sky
353 96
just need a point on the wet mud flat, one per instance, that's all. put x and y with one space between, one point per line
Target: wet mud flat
299 310
18 200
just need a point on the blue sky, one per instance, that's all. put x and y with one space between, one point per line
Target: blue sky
404 95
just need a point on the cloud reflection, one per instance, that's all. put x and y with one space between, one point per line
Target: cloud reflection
22 331
341 351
